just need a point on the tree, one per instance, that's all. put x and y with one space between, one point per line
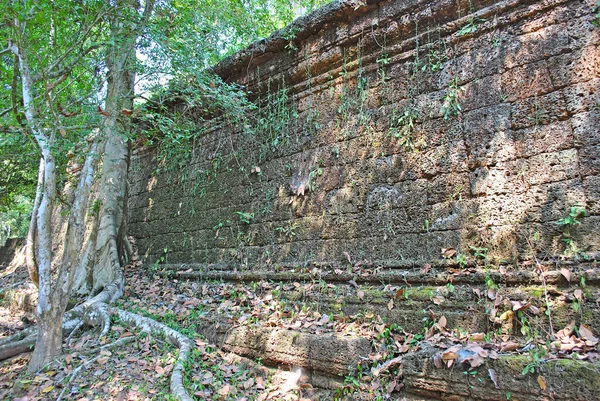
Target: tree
72 69
44 84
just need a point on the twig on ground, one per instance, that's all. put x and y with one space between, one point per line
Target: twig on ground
76 371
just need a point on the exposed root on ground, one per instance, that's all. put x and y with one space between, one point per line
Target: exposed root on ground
17 346
97 312
179 340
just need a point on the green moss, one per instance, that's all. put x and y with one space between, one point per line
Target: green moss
584 373
588 317
337 306
512 364
535 292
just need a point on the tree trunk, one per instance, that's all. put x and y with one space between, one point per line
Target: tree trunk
103 245
120 61
48 344
30 249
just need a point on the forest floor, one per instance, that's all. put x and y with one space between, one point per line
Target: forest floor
125 365
137 366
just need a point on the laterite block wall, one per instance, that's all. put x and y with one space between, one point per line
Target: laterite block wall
390 131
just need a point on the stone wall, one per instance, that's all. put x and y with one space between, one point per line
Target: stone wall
13 251
394 130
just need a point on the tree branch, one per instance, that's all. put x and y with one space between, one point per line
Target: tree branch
5 112
63 72
51 70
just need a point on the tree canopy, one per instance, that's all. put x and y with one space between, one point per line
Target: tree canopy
183 38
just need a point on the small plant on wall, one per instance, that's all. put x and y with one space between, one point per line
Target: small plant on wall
568 224
402 126
245 217
451 106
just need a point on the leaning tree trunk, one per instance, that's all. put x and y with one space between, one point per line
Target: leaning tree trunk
49 339
30 248
105 243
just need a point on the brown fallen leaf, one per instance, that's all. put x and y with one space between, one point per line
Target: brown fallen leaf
566 274
225 390
542 382
565 332
578 294
438 299
474 360
104 113
449 355
442 323
360 294
102 361
448 253
508 346
586 333
478 337
518 306
390 304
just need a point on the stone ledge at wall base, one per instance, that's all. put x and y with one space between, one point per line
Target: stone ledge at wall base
565 379
326 359
472 299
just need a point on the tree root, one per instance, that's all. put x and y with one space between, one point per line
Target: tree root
99 314
10 349
18 336
179 340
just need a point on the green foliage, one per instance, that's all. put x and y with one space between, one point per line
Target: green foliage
201 36
461 259
576 212
14 222
451 105
470 26
288 231
18 170
537 359
478 252
245 217
402 127
596 14
312 177
568 224
66 109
